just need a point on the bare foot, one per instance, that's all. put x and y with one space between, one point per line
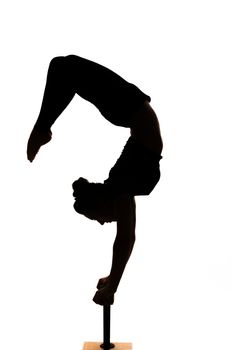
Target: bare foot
37 139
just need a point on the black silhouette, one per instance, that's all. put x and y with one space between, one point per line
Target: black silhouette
137 170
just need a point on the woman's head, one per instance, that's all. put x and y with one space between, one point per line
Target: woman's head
94 201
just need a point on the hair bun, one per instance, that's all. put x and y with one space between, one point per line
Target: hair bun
79 185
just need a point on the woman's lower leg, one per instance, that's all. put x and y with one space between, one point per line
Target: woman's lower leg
58 93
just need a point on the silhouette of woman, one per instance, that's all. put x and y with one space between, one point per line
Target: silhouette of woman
137 170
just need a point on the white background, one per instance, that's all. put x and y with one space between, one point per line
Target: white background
177 289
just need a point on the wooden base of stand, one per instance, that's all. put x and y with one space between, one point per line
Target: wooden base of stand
96 346
106 344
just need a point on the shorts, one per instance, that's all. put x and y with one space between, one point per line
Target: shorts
136 172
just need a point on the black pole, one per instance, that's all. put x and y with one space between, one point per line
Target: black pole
106 327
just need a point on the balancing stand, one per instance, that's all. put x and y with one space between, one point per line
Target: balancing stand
106 345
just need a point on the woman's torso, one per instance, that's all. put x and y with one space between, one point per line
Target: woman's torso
146 128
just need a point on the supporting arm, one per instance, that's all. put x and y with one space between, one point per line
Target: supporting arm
122 248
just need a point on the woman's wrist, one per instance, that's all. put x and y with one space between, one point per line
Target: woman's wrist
111 286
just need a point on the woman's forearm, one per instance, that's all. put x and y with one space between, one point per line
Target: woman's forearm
124 241
122 250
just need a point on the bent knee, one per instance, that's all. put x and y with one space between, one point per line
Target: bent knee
71 57
62 64
57 62
65 63
57 59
